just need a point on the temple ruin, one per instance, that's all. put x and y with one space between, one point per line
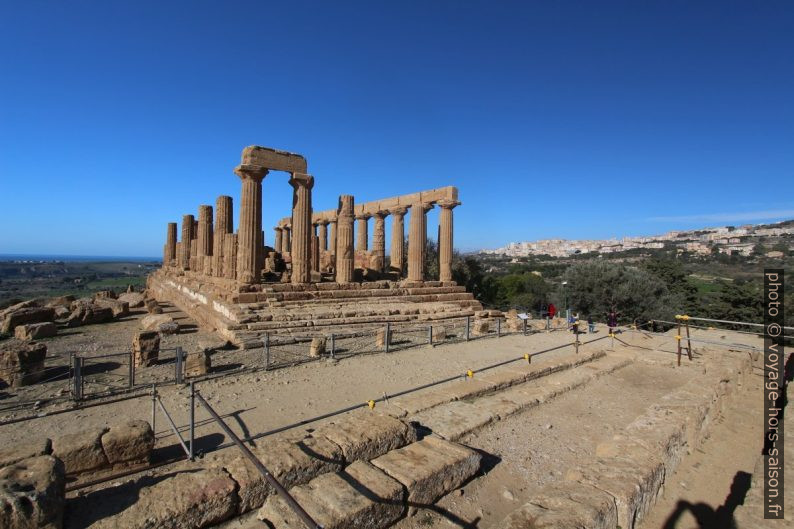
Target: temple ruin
321 273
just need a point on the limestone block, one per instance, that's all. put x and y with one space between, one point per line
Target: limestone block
430 468
198 363
480 327
317 347
186 500
118 307
31 448
153 322
130 443
367 435
13 318
298 460
61 312
455 419
32 494
36 331
168 328
152 307
88 313
133 299
104 294
563 506
146 348
61 301
439 333
21 362
634 479
361 496
380 337
82 451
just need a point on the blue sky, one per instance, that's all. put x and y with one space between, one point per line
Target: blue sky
554 119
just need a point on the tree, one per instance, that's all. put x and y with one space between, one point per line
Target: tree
596 287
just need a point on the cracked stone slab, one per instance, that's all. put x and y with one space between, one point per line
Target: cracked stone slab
455 419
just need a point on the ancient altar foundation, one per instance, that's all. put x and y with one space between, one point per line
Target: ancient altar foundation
320 276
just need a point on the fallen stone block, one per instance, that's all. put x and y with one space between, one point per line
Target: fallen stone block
186 500
35 331
21 362
88 313
24 315
361 496
429 468
104 294
153 322
380 337
198 363
367 435
61 301
118 307
145 348
81 452
32 448
32 493
134 299
317 347
130 443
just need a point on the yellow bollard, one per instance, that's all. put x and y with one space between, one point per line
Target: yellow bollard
470 373
528 358
371 404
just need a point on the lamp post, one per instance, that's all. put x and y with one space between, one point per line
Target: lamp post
565 294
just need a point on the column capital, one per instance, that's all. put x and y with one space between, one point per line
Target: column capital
447 203
423 206
324 222
380 214
247 171
278 228
302 180
399 210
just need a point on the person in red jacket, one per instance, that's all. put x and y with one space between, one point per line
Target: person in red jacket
552 310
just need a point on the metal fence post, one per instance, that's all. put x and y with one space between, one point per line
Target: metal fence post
77 390
468 320
576 334
192 419
525 327
131 373
178 366
266 342
154 408
333 345
430 334
387 338
498 327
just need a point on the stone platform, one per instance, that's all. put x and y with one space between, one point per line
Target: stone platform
243 314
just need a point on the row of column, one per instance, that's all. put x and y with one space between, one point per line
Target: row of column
342 243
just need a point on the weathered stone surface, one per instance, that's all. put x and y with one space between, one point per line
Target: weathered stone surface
361 496
439 333
134 299
129 443
454 420
367 435
88 313
21 362
480 327
153 322
380 337
82 451
146 348
18 452
61 312
198 363
186 500
565 506
118 307
104 294
61 301
317 347
24 315
430 468
36 331
32 494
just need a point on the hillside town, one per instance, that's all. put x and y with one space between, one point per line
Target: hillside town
729 240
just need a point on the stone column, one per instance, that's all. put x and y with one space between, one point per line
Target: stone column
344 240
417 239
315 249
332 239
230 256
286 240
379 241
279 238
301 249
169 259
323 235
397 238
445 239
223 227
187 237
362 237
204 250
250 230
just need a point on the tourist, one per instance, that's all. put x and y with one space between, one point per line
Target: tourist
590 324
612 320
